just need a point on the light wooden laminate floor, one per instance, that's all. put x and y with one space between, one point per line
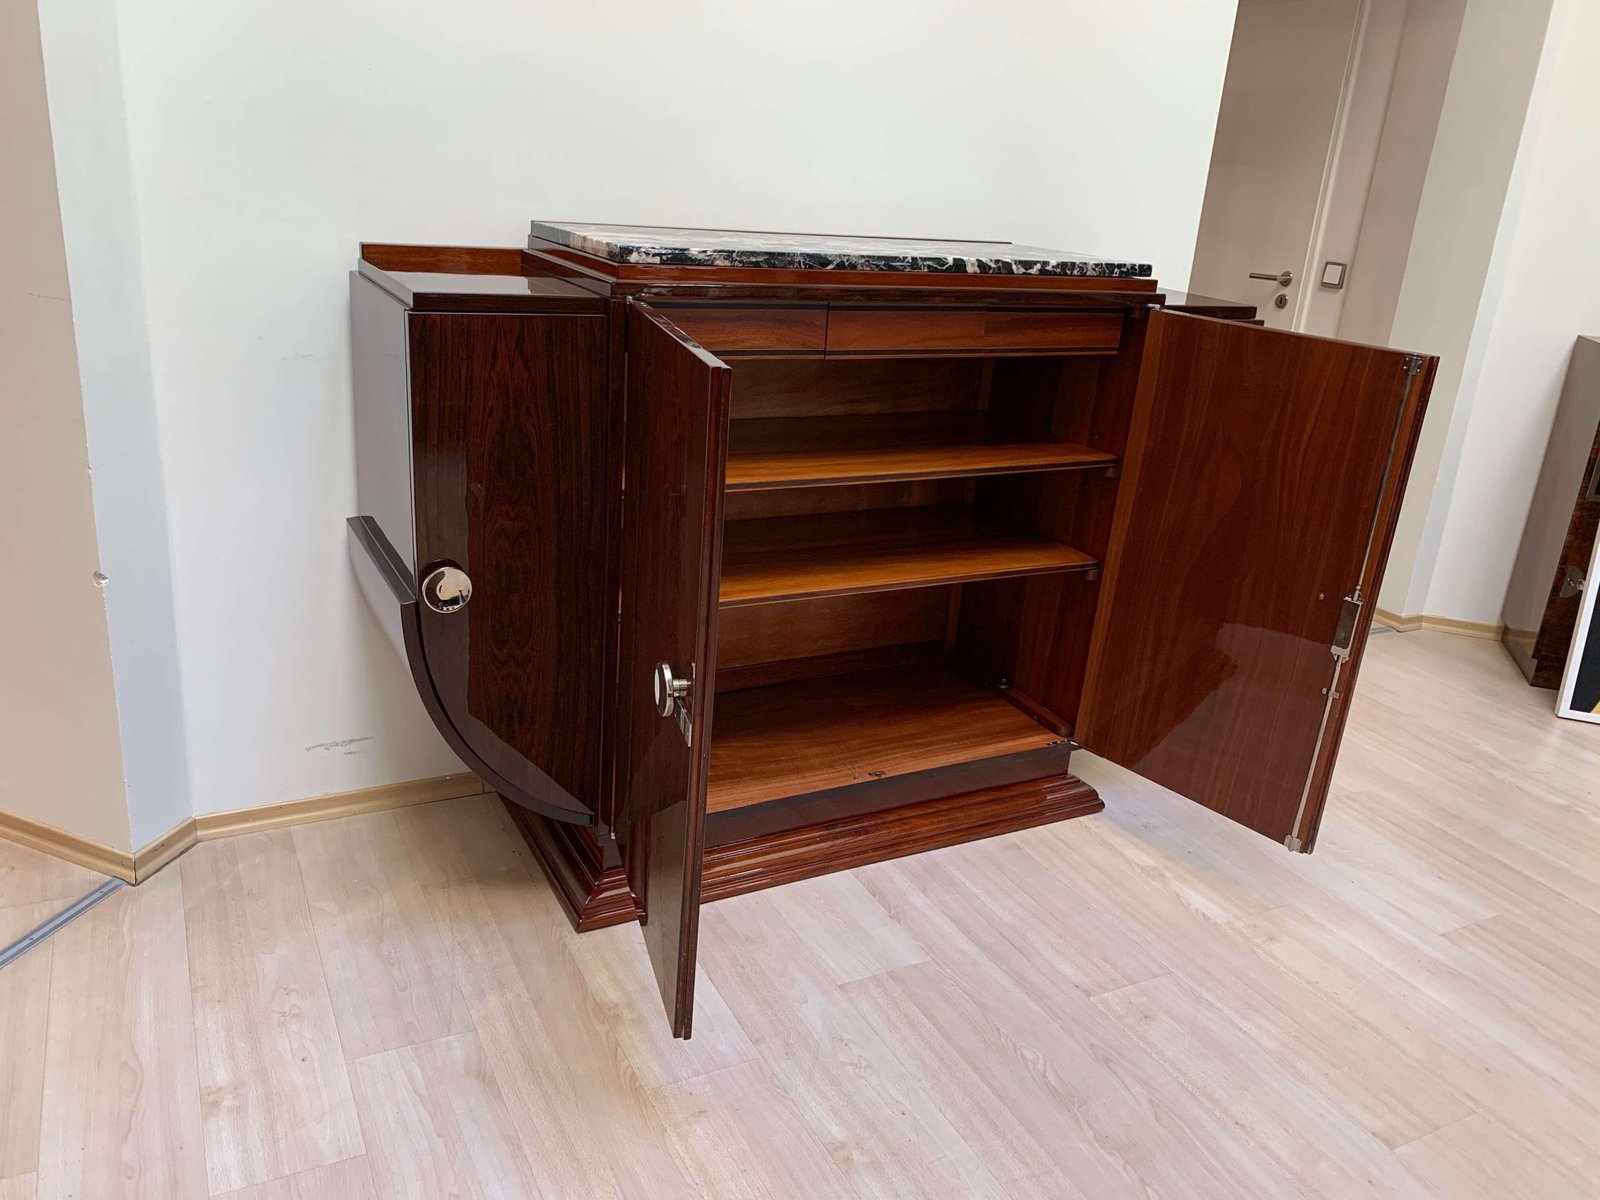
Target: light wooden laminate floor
1148 1002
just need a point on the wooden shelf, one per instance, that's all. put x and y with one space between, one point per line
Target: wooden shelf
796 738
808 451
790 558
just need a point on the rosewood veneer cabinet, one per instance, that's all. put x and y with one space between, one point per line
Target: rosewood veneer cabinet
730 559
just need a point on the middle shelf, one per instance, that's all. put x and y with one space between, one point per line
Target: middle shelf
791 558
787 452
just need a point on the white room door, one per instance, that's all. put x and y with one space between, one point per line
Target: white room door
1271 162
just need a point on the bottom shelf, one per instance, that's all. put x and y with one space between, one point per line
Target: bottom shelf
796 738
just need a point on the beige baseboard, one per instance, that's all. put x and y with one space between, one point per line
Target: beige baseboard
139 865
1472 629
85 852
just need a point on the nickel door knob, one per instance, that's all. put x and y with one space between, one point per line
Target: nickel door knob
668 689
446 589
1282 278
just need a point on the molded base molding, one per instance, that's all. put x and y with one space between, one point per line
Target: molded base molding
588 877
585 872
137 866
81 851
1472 629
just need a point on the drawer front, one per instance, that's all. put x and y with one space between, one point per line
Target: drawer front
752 328
983 331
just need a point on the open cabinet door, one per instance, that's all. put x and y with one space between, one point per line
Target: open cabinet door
1263 478
675 455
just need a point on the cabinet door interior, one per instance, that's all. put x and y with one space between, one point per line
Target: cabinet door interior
509 452
675 451
1262 480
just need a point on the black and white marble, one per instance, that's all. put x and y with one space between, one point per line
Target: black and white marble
656 246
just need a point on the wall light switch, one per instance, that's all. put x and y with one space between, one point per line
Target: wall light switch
1333 274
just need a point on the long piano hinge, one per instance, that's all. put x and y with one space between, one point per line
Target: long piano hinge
1350 609
1345 632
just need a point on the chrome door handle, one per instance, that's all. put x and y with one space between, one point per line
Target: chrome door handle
1282 278
446 589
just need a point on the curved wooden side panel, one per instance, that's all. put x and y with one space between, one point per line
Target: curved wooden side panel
385 583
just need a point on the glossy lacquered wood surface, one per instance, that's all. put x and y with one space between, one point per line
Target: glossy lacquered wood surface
675 449
509 435
753 327
812 735
470 279
864 330
783 558
760 633
1545 660
1255 469
1035 631
836 388
796 452
1197 305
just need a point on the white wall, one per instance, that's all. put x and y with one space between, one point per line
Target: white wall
1451 267
266 140
1548 294
104 255
60 750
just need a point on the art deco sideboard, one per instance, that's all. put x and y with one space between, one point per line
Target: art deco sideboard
730 559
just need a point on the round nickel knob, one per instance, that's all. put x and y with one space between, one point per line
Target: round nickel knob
446 589
668 689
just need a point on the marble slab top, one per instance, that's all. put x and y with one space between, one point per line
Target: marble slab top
660 246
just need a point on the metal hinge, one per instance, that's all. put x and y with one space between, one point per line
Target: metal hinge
1345 632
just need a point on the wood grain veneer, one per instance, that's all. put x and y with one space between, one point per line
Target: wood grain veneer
796 738
853 387
763 633
752 327
509 429
845 497
677 420
787 558
950 331
1257 462
781 452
